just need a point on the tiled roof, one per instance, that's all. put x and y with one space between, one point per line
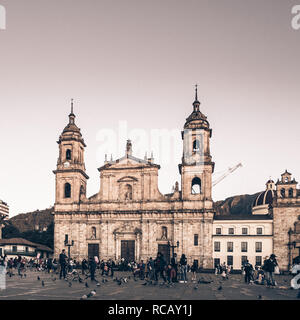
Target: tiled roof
15 241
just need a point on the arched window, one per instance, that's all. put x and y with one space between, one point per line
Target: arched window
196 186
68 154
67 190
82 190
196 145
282 192
128 192
291 193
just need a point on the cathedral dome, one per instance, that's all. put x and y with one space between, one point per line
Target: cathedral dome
264 198
263 201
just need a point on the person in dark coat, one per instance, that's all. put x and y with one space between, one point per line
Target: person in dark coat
92 267
49 264
269 267
84 266
63 264
160 265
248 268
174 265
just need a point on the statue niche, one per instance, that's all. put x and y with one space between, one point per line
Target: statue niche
93 233
128 192
164 233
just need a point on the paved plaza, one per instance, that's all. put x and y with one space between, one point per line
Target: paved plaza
49 287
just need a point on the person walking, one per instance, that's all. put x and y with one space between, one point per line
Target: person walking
183 265
63 264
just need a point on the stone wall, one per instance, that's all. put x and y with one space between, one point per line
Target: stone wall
145 228
284 217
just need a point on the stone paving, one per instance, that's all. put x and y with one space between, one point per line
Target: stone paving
234 288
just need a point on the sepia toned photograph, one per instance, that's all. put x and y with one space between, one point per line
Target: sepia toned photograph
149 152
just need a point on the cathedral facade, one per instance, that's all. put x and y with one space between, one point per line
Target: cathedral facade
130 218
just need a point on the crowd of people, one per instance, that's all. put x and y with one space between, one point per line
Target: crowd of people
151 269
258 275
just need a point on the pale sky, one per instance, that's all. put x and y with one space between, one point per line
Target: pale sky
136 62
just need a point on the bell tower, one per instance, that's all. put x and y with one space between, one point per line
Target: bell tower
70 173
197 167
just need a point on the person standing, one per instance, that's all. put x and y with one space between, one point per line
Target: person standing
194 269
160 266
269 267
49 265
151 269
175 266
92 267
248 268
63 264
183 264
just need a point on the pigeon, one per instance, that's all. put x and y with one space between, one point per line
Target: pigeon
98 284
86 284
220 288
204 281
83 297
43 283
93 292
38 278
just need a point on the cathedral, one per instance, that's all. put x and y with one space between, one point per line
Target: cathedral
130 218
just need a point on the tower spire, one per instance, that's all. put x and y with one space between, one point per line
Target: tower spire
196 103
72 115
72 101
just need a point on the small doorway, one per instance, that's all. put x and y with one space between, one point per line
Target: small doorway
93 250
128 250
164 249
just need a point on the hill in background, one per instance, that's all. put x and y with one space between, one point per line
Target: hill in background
38 226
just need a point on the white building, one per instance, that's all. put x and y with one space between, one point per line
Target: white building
243 237
19 246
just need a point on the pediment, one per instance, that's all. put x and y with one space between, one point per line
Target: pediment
128 162
128 179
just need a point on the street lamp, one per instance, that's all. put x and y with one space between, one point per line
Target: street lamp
69 245
173 247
